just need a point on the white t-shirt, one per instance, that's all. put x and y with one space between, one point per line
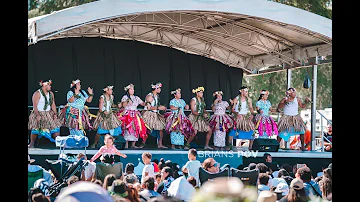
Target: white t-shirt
89 170
149 168
193 169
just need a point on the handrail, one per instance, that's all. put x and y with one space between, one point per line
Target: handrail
324 117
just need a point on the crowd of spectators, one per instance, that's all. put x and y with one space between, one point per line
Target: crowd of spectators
166 181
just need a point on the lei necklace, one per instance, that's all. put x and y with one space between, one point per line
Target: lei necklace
47 102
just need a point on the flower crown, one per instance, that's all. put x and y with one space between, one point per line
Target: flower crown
41 83
175 91
264 92
288 92
217 93
157 85
244 89
108 87
73 83
198 89
126 88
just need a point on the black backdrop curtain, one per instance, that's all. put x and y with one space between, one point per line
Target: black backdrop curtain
98 62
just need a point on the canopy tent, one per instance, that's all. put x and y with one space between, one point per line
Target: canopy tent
252 35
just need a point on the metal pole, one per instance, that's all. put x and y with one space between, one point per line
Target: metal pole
288 71
313 104
322 133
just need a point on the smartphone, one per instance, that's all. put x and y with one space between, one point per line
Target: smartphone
300 166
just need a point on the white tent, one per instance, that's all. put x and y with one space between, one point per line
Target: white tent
251 35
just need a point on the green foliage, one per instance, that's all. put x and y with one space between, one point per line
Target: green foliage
276 84
320 7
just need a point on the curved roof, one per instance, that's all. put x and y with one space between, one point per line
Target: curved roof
251 35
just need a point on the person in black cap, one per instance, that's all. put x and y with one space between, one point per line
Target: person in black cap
269 163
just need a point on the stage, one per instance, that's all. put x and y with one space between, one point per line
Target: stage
238 157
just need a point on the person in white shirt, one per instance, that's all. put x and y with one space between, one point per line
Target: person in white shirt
88 173
192 166
148 169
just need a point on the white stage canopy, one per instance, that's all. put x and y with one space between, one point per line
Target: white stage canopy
249 34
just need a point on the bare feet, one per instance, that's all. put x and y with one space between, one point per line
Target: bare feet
172 146
162 147
31 146
208 147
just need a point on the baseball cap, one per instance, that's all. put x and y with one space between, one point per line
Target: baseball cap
297 184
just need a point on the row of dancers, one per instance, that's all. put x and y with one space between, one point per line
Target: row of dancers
240 123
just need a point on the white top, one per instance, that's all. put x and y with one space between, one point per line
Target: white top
154 102
243 109
108 103
291 108
220 108
41 103
193 170
135 102
89 169
149 168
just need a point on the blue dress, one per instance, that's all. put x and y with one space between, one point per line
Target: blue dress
79 103
177 138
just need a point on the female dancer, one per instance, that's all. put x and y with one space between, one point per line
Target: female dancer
75 115
151 115
242 111
178 124
43 120
220 122
106 121
291 123
199 116
265 124
132 122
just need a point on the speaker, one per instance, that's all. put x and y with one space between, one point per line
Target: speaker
265 145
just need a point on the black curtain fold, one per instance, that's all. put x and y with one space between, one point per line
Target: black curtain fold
98 62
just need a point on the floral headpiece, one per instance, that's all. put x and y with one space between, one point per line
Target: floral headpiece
157 85
264 92
73 83
291 90
41 83
175 91
108 87
198 89
217 93
126 88
244 89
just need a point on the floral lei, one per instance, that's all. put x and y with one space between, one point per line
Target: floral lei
105 102
200 108
47 102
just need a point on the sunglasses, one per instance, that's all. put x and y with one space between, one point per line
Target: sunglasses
216 164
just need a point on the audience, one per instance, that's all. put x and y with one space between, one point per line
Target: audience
296 193
211 165
263 182
88 174
167 179
169 185
311 187
148 169
192 166
149 186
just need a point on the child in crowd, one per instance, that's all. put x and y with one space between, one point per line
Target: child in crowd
148 169
192 166
109 147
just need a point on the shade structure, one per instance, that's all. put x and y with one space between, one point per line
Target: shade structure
252 35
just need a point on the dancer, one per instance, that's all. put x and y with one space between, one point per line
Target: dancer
199 117
106 121
132 122
75 115
243 111
291 123
151 115
178 124
220 122
265 124
43 120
